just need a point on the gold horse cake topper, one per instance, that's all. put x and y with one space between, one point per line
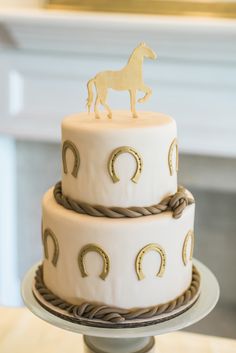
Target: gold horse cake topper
129 78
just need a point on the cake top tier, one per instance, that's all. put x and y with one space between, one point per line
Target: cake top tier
119 162
120 120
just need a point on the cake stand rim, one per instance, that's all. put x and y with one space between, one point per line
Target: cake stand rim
207 300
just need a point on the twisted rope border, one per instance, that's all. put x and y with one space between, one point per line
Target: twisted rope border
113 314
175 203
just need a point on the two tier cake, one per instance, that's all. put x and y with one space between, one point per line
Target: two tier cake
117 230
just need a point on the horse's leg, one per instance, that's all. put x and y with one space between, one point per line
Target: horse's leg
97 101
147 90
103 101
108 109
132 102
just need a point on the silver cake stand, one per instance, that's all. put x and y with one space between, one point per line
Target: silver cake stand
128 340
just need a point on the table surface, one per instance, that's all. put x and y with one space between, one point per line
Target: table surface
22 332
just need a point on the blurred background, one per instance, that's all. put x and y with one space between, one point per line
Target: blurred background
49 50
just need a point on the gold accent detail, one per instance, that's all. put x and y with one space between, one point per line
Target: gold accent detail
139 259
217 8
174 145
190 234
97 249
70 145
129 78
48 233
113 157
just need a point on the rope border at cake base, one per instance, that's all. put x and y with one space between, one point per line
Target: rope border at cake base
175 203
113 314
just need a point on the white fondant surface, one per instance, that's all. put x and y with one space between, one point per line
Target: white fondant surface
121 239
151 135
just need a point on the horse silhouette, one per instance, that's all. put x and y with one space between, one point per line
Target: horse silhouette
129 78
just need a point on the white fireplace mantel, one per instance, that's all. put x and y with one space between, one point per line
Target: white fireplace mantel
175 37
46 58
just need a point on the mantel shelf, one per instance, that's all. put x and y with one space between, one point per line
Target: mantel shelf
80 32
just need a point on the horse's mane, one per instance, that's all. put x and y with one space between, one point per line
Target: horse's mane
132 55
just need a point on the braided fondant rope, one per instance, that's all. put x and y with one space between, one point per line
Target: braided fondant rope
175 203
113 314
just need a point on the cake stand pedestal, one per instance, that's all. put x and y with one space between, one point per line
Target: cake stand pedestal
128 340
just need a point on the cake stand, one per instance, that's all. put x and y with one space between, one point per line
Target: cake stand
128 340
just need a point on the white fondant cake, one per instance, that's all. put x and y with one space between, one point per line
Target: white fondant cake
151 135
121 239
119 262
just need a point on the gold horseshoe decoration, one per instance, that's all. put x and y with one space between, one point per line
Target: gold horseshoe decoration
70 145
48 233
97 249
139 258
173 146
190 234
113 157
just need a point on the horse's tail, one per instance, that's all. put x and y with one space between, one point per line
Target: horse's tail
90 93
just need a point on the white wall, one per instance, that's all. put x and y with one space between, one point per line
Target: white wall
9 284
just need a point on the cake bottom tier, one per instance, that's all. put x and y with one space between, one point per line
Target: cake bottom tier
126 263
101 315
